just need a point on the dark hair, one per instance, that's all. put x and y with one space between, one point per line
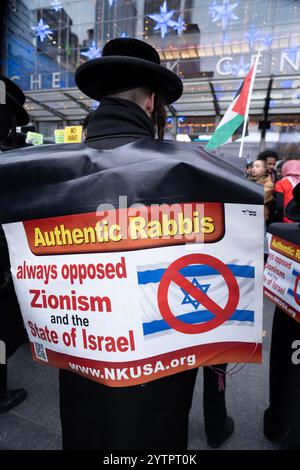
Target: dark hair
159 116
7 120
267 154
260 160
279 165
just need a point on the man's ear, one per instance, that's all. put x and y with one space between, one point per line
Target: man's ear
149 105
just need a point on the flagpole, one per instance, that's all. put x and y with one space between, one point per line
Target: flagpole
248 102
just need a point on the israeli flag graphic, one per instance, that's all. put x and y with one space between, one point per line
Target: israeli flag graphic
290 291
184 306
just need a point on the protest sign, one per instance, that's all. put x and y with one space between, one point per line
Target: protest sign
34 138
282 275
73 134
59 136
125 292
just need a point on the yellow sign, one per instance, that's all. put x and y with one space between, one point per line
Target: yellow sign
73 134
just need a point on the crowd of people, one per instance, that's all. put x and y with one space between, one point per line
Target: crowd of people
278 176
128 113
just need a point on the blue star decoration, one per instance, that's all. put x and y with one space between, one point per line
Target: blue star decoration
180 26
56 5
93 53
252 35
225 38
42 30
163 20
224 13
211 9
267 40
241 69
190 300
124 35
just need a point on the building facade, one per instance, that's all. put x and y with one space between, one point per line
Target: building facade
211 44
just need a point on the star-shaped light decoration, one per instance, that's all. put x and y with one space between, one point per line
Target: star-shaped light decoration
241 69
252 35
211 9
56 5
93 53
124 35
225 13
225 38
188 299
180 26
163 19
42 30
267 40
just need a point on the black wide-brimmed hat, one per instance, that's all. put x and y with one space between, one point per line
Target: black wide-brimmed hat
292 210
127 63
15 99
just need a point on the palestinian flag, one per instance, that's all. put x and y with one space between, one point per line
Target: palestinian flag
231 126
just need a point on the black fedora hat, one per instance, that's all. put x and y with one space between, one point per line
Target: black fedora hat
127 63
15 99
292 210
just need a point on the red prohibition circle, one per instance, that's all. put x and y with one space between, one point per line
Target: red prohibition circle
295 290
172 274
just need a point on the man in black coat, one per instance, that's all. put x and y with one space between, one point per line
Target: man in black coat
133 87
12 114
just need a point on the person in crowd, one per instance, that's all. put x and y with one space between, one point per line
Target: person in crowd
282 417
153 415
290 178
261 176
278 169
84 126
270 157
12 333
248 170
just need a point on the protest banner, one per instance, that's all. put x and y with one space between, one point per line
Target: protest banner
282 274
59 136
73 134
125 290
34 138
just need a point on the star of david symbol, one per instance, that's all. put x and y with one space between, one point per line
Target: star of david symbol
188 299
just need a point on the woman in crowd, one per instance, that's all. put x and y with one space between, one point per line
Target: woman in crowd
260 176
290 177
